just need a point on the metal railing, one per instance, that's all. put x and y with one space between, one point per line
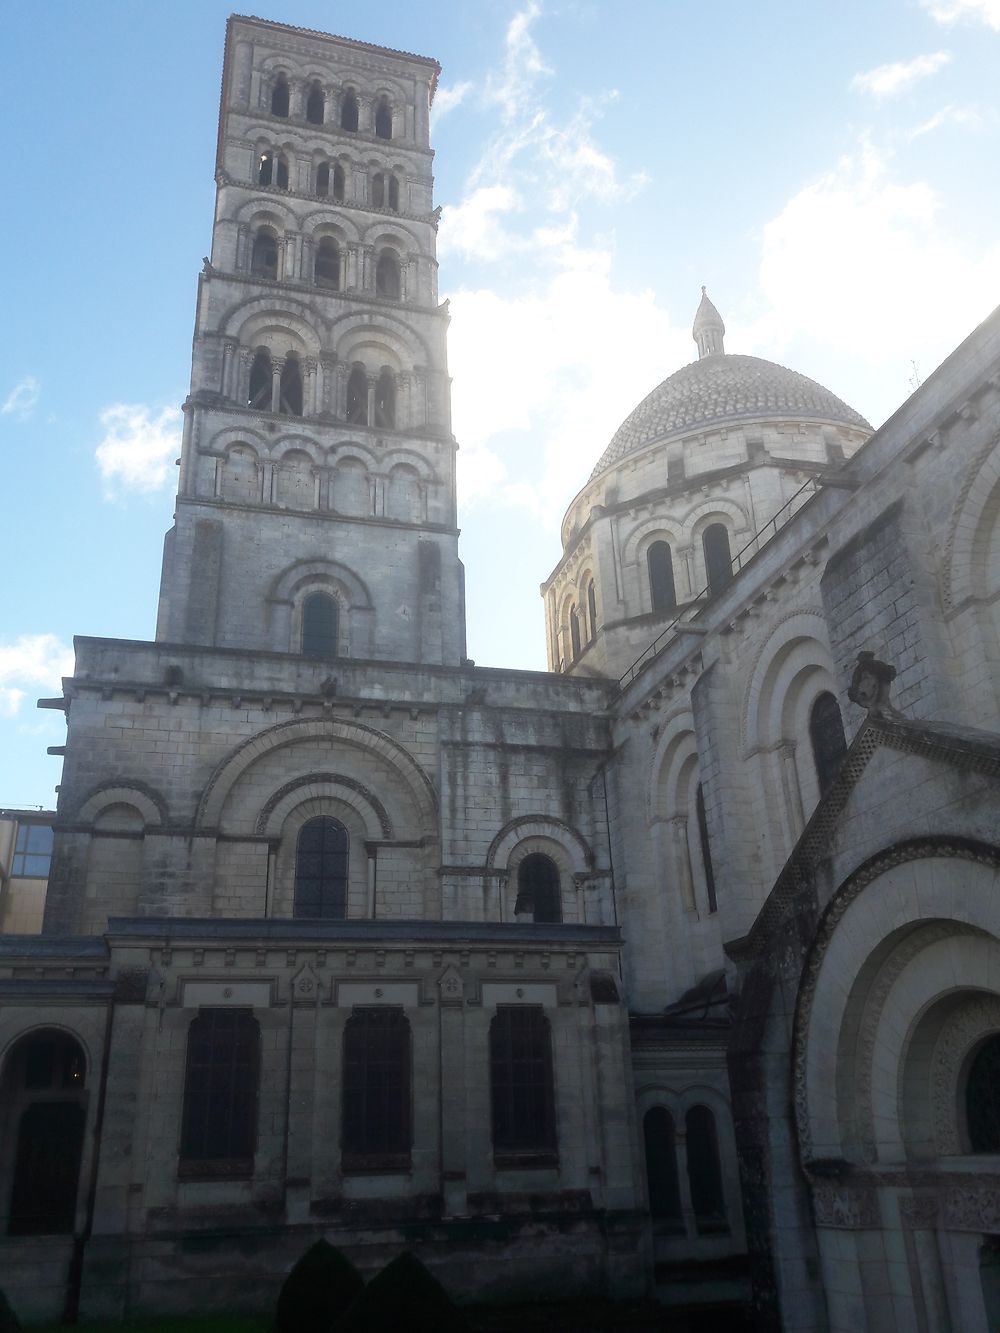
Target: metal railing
760 538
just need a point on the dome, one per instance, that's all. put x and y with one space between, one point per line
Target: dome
724 388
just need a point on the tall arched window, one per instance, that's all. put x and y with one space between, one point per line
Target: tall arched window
315 104
705 1172
326 266
385 400
660 564
538 890
281 172
387 281
323 179
392 194
357 397
383 119
321 856
338 183
378 190
349 111
219 1119
320 624
706 847
718 560
291 386
376 1130
982 1098
259 396
264 256
521 1089
661 1166
591 612
574 632
45 1100
826 735
265 169
279 96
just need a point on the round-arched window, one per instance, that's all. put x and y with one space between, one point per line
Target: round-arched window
538 888
982 1097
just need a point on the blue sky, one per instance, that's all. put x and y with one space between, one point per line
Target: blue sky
828 170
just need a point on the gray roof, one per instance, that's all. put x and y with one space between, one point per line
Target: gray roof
724 388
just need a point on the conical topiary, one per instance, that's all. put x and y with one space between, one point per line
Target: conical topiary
404 1295
317 1291
9 1322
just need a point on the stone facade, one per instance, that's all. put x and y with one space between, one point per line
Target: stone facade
758 965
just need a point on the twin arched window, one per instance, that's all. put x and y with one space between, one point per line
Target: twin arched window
704 1170
321 859
538 889
385 191
330 181
272 169
320 626
660 565
260 395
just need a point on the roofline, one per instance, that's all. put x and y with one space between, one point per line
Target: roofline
339 40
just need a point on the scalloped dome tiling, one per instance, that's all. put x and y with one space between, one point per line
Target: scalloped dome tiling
719 388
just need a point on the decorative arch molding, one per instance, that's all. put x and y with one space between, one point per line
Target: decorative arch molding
401 237
149 803
657 528
865 875
274 213
354 330
224 439
580 855
32 1027
977 504
677 741
251 320
329 222
716 509
794 627
285 585
407 458
228 773
959 1035
344 450
337 785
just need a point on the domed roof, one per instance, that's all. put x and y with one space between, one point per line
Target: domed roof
721 388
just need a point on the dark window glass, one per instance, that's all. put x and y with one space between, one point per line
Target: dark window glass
826 734
32 850
378 191
357 397
281 178
718 561
321 854
323 179
538 888
279 97
326 268
265 169
338 184
574 632
387 276
706 847
660 563
291 387
591 611
219 1119
376 1127
259 396
661 1165
982 1098
385 400
52 1060
522 1096
705 1172
264 258
383 119
349 112
314 105
319 626
46 1169
392 196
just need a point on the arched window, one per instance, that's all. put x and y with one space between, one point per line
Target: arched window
326 266
264 256
259 396
320 617
387 281
706 847
383 119
661 1166
376 1129
660 564
238 475
385 400
323 179
265 169
281 175
982 1098
705 1172
357 397
521 1091
591 611
378 190
349 111
219 1119
315 104
279 96
538 889
291 387
574 632
718 560
45 1102
392 194
321 853
826 735
338 183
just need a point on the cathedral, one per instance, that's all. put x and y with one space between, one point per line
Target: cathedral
673 970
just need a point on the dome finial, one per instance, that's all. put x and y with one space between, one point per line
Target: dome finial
708 330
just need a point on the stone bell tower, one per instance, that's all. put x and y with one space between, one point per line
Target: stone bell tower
316 502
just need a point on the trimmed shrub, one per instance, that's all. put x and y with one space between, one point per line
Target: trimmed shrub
9 1322
317 1291
404 1295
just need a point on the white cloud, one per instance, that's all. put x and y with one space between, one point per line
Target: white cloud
522 65
473 228
31 660
22 399
138 448
948 115
953 11
890 80
448 98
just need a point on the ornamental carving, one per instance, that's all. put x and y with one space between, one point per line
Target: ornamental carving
971 1207
846 1208
958 1035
